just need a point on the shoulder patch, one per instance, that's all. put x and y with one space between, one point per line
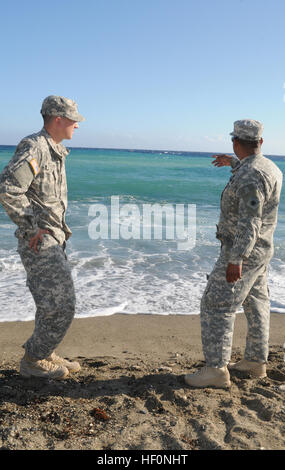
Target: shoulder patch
35 167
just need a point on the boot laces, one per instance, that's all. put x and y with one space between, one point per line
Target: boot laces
47 365
202 371
57 359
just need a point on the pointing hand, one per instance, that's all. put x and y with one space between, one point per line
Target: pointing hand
222 160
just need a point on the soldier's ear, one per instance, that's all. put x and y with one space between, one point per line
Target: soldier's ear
261 141
58 119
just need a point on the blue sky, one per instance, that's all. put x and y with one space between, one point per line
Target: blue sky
160 74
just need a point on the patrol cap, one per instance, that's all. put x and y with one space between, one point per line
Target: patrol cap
248 129
60 106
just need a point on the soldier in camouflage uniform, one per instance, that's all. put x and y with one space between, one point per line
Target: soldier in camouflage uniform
34 194
249 205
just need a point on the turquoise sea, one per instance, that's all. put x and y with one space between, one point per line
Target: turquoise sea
129 273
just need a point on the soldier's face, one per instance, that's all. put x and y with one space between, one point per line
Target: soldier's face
66 127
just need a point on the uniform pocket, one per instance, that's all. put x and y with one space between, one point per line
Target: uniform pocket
48 184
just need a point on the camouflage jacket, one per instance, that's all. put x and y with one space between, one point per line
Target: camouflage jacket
33 188
249 208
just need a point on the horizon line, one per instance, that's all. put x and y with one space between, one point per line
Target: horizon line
145 150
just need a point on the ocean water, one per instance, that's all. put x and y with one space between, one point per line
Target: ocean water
121 270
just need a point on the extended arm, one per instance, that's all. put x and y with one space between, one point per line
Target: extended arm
225 160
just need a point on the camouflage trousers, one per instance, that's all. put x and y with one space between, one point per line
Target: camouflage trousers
220 302
50 282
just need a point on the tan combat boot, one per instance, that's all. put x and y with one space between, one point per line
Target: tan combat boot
255 369
60 361
31 367
209 377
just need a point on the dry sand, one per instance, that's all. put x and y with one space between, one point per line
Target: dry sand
130 393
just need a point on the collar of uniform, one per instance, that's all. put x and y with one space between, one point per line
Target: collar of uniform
59 149
247 159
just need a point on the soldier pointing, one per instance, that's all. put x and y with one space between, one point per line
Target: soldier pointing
248 217
33 192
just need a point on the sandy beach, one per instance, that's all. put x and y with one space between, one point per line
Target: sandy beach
130 393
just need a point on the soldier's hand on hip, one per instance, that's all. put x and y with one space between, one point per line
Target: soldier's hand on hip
222 160
233 273
37 238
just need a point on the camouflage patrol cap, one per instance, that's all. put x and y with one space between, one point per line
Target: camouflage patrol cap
247 129
60 106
